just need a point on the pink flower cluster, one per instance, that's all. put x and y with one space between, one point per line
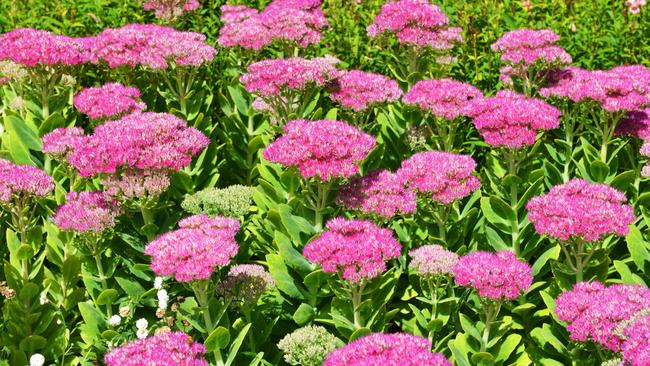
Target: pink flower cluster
324 149
22 181
510 119
378 192
357 249
61 141
432 260
645 151
150 45
299 22
580 209
445 98
358 90
165 349
623 88
110 100
32 47
133 183
170 9
636 124
86 212
445 175
636 346
245 283
399 349
416 22
593 311
192 251
271 77
496 276
634 7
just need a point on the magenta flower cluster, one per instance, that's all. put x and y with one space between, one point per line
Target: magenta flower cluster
165 349
357 249
61 141
510 119
358 90
635 124
110 100
399 349
86 212
379 192
579 209
323 149
432 260
593 311
445 175
636 346
444 98
170 9
416 22
193 251
32 47
19 181
497 276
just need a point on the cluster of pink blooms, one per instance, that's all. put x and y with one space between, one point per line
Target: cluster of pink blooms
245 283
593 311
61 141
170 9
357 249
510 119
164 349
272 77
645 151
634 6
378 192
325 149
110 100
193 251
32 47
496 276
416 22
358 90
150 45
623 88
637 124
22 181
522 49
636 346
445 175
134 183
445 98
86 212
398 349
432 260
298 22
579 209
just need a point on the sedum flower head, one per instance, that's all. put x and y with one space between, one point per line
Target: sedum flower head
86 212
645 151
359 90
32 47
432 260
233 201
245 283
165 349
636 346
110 100
133 183
445 98
308 346
61 141
636 124
170 9
20 181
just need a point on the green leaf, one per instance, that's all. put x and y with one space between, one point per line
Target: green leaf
107 297
359 333
507 346
236 344
638 247
283 279
469 328
25 252
218 339
482 358
33 343
599 170
304 314
131 287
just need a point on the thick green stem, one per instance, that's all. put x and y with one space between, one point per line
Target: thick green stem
202 297
251 338
355 295
491 312
102 280
148 219
514 202
322 193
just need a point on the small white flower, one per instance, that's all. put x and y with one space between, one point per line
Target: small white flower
37 359
43 299
157 283
114 320
163 299
125 311
142 323
142 333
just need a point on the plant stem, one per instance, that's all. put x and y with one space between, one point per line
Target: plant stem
322 192
356 291
514 201
147 217
201 293
251 339
102 280
491 310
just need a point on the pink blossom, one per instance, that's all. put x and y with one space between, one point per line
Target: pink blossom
109 101
193 251
19 181
645 151
245 283
324 149
378 192
358 90
135 184
445 98
636 124
61 141
496 276
510 119
636 346
580 209
399 349
432 260
357 249
86 212
170 9
236 13
33 47
448 176
164 349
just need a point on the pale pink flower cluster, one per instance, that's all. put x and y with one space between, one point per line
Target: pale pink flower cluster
245 283
359 90
593 311
445 98
579 209
170 9
110 100
398 349
61 141
634 6
324 149
379 192
164 349
416 22
33 47
150 45
298 22
193 251
623 88
432 260
510 119
357 249
496 276
645 151
133 183
636 346
445 175
86 212
20 181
